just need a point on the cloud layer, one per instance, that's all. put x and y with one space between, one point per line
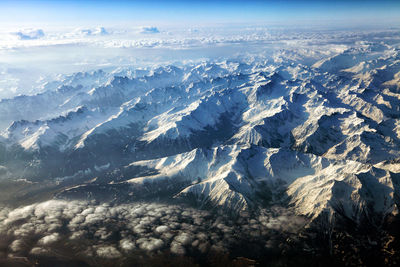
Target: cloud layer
114 232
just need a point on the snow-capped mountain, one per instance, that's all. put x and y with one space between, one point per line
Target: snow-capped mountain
232 134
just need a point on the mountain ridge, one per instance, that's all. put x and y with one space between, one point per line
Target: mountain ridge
219 129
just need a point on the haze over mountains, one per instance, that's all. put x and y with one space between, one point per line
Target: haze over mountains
303 133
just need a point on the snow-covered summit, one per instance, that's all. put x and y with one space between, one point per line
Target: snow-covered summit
229 134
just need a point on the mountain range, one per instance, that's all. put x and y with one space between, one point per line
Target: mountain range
237 135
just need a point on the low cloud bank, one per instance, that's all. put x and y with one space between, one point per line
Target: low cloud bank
115 232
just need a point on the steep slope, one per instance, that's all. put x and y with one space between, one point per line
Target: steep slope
231 134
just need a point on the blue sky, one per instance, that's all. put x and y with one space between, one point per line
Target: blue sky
198 12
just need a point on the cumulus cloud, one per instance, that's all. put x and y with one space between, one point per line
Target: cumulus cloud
39 251
49 239
90 31
100 31
17 245
177 248
114 232
162 229
146 29
127 245
108 252
150 244
30 34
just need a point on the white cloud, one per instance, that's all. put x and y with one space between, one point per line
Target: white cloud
17 245
39 251
145 227
30 34
127 245
89 32
100 31
162 229
146 29
108 252
184 238
49 239
150 244
177 248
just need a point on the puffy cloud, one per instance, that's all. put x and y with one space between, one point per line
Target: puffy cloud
102 233
108 252
29 34
184 238
162 229
17 245
177 248
114 232
78 235
150 244
90 31
49 239
100 31
146 29
39 251
127 245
